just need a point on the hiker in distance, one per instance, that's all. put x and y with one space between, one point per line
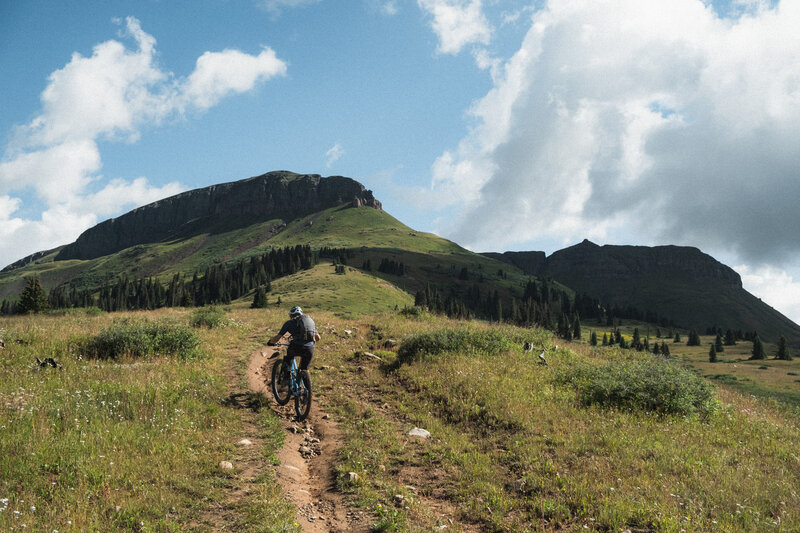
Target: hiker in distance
304 335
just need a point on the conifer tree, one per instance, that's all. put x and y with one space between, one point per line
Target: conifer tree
783 350
32 299
260 298
712 354
593 339
677 338
576 328
758 348
605 339
665 349
718 346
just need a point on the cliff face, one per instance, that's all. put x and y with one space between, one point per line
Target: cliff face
586 264
676 282
275 195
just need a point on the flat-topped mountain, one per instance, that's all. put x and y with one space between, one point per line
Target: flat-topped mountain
275 195
680 283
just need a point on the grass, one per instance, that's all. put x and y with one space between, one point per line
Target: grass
514 445
116 445
515 448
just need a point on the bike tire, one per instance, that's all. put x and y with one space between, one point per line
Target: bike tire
302 401
280 383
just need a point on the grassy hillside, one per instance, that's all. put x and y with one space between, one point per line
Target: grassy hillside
129 443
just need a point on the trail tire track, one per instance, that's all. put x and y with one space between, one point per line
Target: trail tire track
306 468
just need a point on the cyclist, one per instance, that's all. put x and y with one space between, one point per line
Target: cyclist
304 336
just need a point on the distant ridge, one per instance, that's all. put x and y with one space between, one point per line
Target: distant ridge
677 282
221 207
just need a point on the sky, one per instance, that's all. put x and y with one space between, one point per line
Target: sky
499 124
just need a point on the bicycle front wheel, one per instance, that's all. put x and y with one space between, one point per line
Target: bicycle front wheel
280 382
302 401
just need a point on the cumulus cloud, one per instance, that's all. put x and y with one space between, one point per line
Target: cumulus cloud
219 74
331 156
775 286
111 95
645 122
457 23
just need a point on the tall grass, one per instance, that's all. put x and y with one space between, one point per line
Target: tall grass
118 444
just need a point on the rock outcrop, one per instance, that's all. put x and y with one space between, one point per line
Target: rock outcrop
276 195
679 283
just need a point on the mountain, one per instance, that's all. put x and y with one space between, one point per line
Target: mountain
230 223
680 283
275 195
194 234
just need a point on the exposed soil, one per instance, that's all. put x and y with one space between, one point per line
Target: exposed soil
306 461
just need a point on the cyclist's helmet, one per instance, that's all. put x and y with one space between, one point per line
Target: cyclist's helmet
295 311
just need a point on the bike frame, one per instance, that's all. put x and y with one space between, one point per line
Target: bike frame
295 384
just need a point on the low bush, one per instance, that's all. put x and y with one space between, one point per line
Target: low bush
144 339
209 317
644 385
452 340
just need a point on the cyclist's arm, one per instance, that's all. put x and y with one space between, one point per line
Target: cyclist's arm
317 336
275 339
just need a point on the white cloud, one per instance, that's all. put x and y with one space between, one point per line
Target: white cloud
657 120
275 7
333 154
773 285
219 74
389 8
457 23
111 95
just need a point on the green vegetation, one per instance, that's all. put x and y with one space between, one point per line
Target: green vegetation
650 385
208 317
143 339
123 445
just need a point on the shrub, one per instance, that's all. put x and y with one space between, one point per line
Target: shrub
452 340
144 339
209 317
651 386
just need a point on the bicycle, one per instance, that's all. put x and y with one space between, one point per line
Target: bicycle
288 380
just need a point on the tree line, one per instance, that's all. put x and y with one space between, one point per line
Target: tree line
218 284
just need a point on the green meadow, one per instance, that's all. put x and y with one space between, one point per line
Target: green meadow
600 439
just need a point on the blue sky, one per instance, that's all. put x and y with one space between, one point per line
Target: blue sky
499 124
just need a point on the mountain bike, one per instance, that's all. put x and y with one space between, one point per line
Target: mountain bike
288 380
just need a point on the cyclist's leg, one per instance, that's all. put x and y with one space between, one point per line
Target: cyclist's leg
294 351
305 357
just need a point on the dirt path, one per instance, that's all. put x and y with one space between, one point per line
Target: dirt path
307 459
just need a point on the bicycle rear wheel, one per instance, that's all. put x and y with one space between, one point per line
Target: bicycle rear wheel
302 401
280 382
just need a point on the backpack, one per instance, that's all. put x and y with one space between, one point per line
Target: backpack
307 329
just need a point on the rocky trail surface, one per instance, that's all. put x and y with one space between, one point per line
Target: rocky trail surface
306 468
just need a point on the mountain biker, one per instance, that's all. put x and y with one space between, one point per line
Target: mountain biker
304 336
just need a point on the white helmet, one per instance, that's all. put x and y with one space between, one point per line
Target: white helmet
295 311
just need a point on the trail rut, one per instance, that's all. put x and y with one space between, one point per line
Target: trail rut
306 462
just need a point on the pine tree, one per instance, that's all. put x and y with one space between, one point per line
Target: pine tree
593 339
664 349
605 339
758 349
730 338
783 350
576 328
712 354
636 342
32 299
260 298
718 344
677 338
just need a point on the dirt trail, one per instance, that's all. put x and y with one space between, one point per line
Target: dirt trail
306 470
